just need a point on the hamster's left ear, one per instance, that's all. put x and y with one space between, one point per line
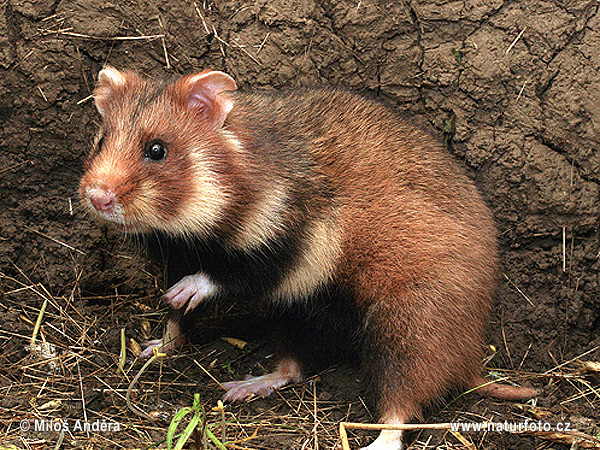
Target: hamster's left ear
205 93
110 80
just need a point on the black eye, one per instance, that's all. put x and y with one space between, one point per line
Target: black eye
155 150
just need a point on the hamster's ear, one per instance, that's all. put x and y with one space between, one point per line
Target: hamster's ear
110 80
204 93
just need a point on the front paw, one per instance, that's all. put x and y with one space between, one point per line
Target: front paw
150 345
195 288
173 338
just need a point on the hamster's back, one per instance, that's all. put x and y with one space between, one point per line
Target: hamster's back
392 180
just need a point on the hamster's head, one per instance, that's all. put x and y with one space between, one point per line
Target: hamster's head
156 162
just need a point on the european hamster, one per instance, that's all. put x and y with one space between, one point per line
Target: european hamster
358 229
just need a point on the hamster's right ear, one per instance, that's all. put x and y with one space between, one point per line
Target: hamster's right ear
110 80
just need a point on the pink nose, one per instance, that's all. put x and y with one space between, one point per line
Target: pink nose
102 199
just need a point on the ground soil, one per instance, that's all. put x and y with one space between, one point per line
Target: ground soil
512 88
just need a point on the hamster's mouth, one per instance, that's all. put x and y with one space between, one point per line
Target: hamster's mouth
128 228
115 216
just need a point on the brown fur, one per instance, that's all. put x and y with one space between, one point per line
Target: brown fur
375 206
419 251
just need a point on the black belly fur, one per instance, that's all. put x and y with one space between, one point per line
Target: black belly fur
321 330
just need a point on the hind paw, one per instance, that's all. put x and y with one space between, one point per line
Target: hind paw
288 371
387 440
